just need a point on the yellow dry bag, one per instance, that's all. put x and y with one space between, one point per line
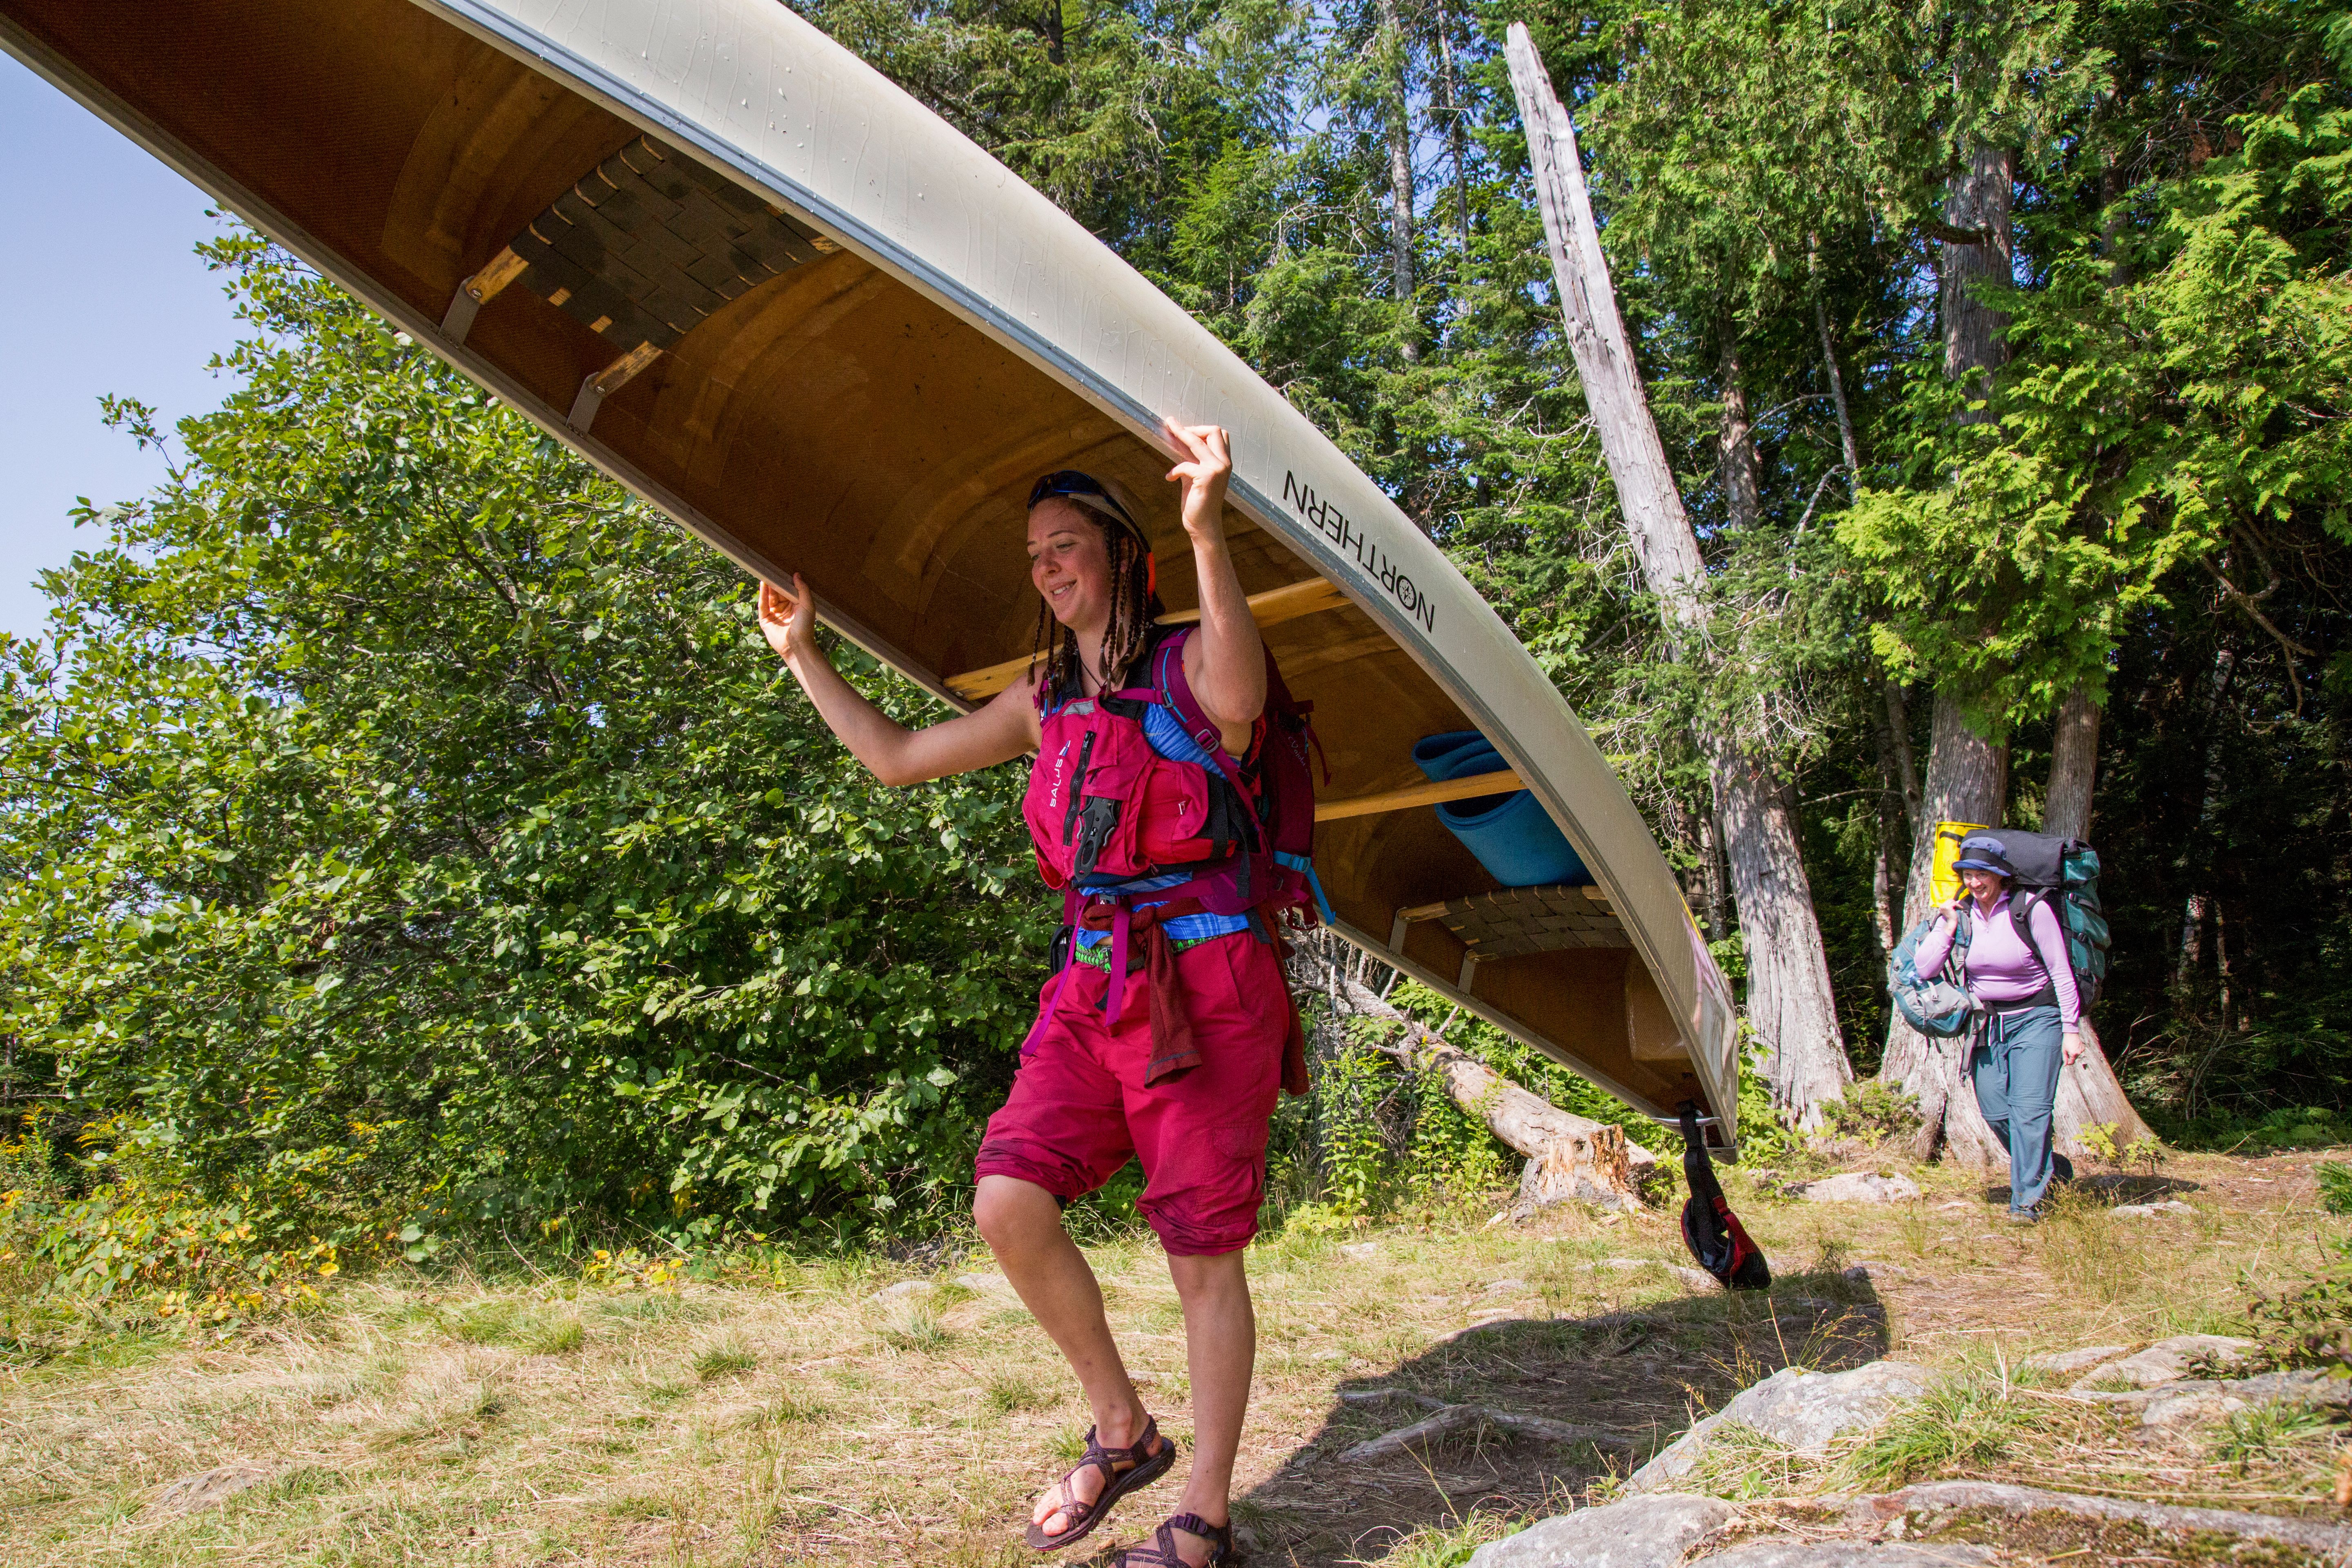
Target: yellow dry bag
1944 880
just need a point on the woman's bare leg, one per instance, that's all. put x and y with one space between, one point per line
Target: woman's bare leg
1220 1348
1023 1226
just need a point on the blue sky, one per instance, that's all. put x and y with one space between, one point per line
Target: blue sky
95 251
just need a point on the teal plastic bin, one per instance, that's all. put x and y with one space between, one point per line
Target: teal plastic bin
1510 833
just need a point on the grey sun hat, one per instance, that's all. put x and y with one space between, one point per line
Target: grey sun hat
1983 852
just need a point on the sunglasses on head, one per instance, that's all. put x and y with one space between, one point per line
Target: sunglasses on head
1070 484
1079 487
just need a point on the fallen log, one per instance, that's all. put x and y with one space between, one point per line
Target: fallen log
1570 1158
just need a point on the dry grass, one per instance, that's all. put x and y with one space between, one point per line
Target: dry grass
796 1418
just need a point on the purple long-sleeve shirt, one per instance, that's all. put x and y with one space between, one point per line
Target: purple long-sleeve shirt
2000 967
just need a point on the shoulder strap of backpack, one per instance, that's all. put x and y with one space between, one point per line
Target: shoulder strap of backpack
1176 696
2020 916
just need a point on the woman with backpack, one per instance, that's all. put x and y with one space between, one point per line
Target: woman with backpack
1179 1065
2028 1017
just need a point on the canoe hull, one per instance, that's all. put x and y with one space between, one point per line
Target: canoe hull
871 412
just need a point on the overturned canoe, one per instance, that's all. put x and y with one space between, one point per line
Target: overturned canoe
764 287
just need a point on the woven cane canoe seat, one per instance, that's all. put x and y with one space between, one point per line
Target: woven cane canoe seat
649 244
1515 920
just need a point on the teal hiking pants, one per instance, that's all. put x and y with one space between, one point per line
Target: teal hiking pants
2014 1070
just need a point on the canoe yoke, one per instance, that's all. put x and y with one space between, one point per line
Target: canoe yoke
643 248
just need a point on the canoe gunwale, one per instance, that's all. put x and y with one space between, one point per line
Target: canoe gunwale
1646 926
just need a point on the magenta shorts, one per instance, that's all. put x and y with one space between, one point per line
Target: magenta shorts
1079 1106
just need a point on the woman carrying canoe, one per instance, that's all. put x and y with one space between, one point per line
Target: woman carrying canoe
1179 1066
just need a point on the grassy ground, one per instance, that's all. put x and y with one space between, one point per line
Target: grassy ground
794 1416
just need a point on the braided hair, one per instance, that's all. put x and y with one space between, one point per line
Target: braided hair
1134 609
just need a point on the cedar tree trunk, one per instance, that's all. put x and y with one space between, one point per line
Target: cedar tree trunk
2089 1094
1967 773
1400 139
1967 778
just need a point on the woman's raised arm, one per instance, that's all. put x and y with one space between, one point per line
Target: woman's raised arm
896 755
1225 663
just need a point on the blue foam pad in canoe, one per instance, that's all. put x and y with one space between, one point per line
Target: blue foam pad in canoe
1510 833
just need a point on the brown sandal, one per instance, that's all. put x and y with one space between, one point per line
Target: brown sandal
1143 1469
1162 1553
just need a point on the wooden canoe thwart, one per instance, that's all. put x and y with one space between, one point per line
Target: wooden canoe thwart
758 284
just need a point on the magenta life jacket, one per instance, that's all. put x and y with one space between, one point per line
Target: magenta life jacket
1134 799
1136 784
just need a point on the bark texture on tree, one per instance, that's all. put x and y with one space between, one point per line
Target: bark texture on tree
1788 1000
2073 766
1967 775
1978 200
1898 812
1968 779
1400 140
1848 447
1569 1157
1457 138
1735 447
2089 1093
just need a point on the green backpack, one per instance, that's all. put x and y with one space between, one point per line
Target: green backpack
2064 873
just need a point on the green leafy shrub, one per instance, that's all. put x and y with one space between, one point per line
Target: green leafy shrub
1872 1111
2143 1152
135 1238
2310 1323
406 825
2334 1178
2310 1127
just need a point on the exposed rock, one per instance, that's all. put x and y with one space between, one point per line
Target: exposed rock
1933 1497
1510 1288
984 1282
2175 1404
2192 1407
1801 1410
2074 1362
2306 1386
1638 1532
1694 1279
2168 1361
903 1289
202 1490
2146 1211
1847 1555
1859 1187
1361 1249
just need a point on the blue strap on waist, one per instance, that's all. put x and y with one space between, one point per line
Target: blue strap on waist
1183 927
